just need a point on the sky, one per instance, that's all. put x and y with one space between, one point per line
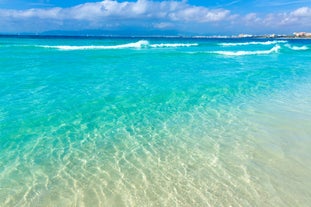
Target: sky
144 17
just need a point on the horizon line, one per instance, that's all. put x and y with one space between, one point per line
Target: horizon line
154 36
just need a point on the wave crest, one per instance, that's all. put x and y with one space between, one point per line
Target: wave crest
174 45
253 43
135 45
138 44
296 47
275 49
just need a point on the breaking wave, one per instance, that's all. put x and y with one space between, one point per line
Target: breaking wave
275 49
138 44
134 45
296 47
174 45
253 43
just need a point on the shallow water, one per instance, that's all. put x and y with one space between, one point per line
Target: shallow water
155 122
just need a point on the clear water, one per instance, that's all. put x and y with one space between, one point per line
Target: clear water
155 122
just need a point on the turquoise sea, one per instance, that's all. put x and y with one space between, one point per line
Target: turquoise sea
154 122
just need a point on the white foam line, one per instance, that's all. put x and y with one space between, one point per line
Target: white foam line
139 44
296 47
240 53
174 45
253 43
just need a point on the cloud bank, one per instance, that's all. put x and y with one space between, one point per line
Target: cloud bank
169 10
177 15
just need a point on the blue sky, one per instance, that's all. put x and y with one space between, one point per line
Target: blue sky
196 17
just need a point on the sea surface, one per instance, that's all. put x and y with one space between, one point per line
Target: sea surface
155 122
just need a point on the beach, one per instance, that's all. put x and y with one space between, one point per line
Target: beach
155 121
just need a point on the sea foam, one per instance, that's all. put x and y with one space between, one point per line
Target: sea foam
252 43
174 45
134 45
275 49
138 44
296 47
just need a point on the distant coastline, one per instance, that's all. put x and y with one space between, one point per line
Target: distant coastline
295 35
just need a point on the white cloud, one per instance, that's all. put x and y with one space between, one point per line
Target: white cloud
152 14
173 10
301 12
163 25
251 18
299 17
281 22
54 13
96 15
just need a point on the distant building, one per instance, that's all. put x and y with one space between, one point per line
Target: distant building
302 34
245 35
